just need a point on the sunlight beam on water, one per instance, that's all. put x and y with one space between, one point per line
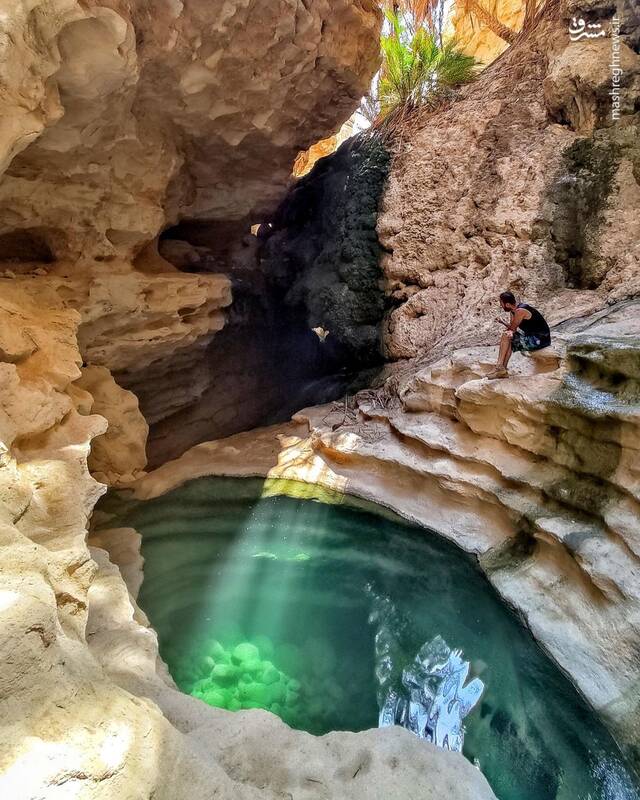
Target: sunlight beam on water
260 600
269 534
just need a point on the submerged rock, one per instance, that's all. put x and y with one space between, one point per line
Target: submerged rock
237 677
429 698
436 699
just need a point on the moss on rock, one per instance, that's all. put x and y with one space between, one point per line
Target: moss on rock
324 248
580 195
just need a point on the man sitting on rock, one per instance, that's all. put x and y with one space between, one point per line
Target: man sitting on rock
527 331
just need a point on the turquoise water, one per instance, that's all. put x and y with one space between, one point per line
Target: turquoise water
275 602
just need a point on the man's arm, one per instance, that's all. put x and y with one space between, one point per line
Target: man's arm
516 318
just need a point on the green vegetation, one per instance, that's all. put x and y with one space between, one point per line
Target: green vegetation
417 68
420 64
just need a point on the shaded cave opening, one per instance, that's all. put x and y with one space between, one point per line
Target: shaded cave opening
305 322
28 246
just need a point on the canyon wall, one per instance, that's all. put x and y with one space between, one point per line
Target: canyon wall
322 249
537 191
307 309
116 120
135 115
524 182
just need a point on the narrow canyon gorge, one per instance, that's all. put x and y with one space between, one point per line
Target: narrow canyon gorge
176 306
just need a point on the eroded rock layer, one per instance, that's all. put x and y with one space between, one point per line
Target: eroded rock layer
537 474
133 115
134 118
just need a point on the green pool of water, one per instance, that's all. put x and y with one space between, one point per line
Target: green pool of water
275 602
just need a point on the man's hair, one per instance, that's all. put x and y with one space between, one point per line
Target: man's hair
508 297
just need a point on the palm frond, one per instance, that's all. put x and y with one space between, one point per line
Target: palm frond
415 66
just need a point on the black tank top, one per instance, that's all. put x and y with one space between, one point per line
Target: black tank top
536 325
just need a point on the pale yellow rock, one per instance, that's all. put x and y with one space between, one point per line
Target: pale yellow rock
118 457
306 159
475 38
123 548
128 318
117 121
127 321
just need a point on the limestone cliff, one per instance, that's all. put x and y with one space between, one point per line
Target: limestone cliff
306 159
306 316
478 40
537 192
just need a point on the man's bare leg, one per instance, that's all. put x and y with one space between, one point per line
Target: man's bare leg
504 354
508 349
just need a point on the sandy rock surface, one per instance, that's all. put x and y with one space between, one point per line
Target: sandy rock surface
536 192
131 320
120 119
134 114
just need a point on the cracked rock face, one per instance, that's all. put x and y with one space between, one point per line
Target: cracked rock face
537 192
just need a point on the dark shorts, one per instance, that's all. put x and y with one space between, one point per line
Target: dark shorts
526 343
